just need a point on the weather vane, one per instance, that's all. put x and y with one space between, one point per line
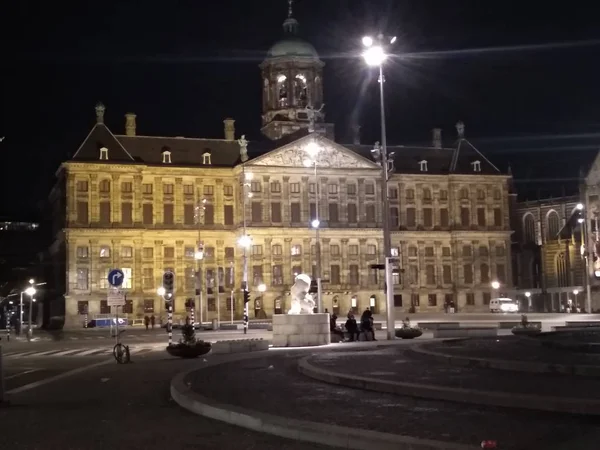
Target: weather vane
290 5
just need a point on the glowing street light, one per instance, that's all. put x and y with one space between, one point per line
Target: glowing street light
495 285
245 241
161 291
315 223
528 294
374 56
579 206
30 291
367 41
262 287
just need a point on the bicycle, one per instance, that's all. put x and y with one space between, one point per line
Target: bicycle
121 352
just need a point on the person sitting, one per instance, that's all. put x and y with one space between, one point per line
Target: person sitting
333 327
366 324
352 328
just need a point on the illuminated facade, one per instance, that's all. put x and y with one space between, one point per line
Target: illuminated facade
144 203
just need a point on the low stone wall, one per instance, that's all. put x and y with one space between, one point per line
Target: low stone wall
301 330
508 325
240 346
438 325
465 332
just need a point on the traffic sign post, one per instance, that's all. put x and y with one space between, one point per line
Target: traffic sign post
116 277
115 297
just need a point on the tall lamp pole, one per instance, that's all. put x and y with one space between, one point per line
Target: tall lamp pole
245 242
585 253
313 151
375 56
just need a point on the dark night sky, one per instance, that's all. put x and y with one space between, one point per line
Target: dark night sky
183 66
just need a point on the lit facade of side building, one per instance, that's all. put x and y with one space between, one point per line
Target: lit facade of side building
144 204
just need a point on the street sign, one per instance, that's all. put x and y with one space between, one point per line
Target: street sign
115 297
116 277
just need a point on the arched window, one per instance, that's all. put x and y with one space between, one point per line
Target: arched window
552 225
485 273
266 94
282 94
528 229
562 275
300 91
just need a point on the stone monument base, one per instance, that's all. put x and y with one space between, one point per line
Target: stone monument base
301 330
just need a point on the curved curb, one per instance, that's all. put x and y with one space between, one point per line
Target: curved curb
302 430
505 364
567 405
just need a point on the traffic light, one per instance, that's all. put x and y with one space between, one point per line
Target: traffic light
246 296
169 283
167 305
189 303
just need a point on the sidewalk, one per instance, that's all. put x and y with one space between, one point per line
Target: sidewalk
272 384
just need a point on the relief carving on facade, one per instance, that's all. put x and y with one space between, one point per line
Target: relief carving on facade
327 157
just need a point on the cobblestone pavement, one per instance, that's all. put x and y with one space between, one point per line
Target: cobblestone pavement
394 364
122 407
512 348
272 384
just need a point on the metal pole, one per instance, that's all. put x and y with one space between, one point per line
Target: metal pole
117 323
30 328
391 323
318 243
20 312
586 278
218 302
170 324
232 307
192 316
245 266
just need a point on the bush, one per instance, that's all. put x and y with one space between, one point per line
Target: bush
182 350
408 333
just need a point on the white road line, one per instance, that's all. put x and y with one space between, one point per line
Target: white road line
93 350
20 373
66 352
30 386
45 353
21 355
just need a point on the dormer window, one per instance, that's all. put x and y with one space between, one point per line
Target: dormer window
166 157
476 166
282 91
206 158
423 165
103 154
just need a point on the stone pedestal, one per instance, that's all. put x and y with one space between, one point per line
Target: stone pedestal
301 330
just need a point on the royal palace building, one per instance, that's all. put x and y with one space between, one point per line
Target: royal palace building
146 204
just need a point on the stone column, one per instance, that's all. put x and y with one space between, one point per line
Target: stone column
137 200
325 259
323 199
361 200
137 268
363 269
94 206
158 201
287 262
379 205
305 201
307 256
71 195
267 264
94 267
285 207
115 199
344 275
266 200
178 203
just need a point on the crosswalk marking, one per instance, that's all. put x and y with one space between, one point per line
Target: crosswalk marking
85 351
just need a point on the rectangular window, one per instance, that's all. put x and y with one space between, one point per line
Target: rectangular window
168 189
297 270
104 186
188 214
446 251
447 274
486 298
148 252
443 194
415 300
211 304
485 273
468 273
147 188
148 278
333 188
82 212
333 213
370 210
296 250
82 186
411 220
335 274
257 275
370 189
126 213
147 214
465 219
168 214
228 214
148 306
432 300
229 277
393 193
312 210
394 218
334 250
371 249
188 189
209 214
429 252
312 188
127 187
188 252
430 274
229 252
481 217
127 277
276 212
295 212
256 212
104 308
352 213
208 189
82 306
470 299
275 187
466 250
353 278
169 252
397 300
257 250
373 276
255 186
82 279
497 217
444 219
82 252
501 273
351 189
449 299
126 252
190 278
427 217
228 190
105 212
209 252
353 250
277 275
295 188
413 273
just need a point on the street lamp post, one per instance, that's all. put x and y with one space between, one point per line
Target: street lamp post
313 150
245 242
375 56
528 295
585 253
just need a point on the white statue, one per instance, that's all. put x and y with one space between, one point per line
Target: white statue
311 112
243 143
302 301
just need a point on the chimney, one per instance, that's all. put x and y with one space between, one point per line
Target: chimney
437 138
229 129
356 134
100 109
130 124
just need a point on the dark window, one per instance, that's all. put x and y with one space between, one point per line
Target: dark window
444 219
411 220
398 300
228 214
415 300
256 212
104 212
168 214
501 273
104 308
126 213
295 212
465 218
128 307
430 274
148 214
352 213
432 299
470 299
447 274
313 211
148 305
486 298
335 274
468 273
497 217
485 273
188 214
333 213
370 210
276 212
394 219
82 212
229 252
428 217
82 307
481 217
209 214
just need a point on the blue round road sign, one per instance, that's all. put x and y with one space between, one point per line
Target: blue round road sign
115 277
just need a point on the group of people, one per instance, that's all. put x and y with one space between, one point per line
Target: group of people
352 327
